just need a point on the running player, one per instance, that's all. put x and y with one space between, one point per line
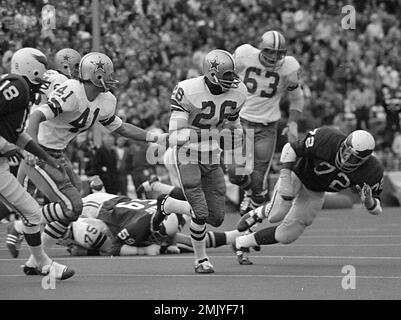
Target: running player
17 92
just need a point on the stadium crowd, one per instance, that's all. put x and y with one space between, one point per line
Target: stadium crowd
351 77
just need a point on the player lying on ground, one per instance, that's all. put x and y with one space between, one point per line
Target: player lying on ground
118 225
325 160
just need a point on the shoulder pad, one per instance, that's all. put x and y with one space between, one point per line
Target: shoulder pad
244 49
18 81
290 65
192 86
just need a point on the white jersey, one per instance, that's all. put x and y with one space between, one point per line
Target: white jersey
205 110
69 112
93 202
265 87
53 80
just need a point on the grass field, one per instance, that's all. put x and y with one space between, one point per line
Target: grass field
310 268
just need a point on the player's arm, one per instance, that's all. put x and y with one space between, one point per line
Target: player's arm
296 99
133 132
288 158
113 123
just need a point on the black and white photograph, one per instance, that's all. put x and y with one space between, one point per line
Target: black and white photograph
200 155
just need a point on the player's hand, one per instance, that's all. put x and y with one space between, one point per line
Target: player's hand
291 130
30 159
15 152
285 189
365 193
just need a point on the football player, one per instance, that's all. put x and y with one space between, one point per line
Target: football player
325 160
200 106
72 108
268 72
66 62
118 225
17 92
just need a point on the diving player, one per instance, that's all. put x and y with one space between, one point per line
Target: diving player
325 160
268 74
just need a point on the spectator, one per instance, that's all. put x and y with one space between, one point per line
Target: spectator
122 154
105 164
361 99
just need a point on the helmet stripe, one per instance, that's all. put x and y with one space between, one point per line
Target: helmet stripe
276 40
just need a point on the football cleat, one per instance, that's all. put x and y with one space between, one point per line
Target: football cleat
13 240
245 205
59 271
146 186
160 214
204 266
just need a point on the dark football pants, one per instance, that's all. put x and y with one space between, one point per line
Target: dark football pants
205 188
265 137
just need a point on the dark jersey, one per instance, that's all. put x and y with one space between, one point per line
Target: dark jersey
316 167
128 219
14 106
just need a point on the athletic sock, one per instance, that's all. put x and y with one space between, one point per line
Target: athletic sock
232 235
215 239
198 233
19 226
172 205
52 232
246 241
33 239
160 187
266 236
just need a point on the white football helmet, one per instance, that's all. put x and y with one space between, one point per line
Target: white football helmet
67 62
273 49
29 62
219 68
355 150
97 68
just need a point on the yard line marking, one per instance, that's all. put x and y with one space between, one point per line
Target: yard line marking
129 275
352 236
229 256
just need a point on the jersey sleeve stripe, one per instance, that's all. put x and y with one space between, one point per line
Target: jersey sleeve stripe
99 241
55 107
106 122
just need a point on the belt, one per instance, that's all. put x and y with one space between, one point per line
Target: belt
257 124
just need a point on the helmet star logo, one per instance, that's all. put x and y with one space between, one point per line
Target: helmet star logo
99 65
66 58
214 65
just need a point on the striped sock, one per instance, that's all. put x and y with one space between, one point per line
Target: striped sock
53 212
55 229
198 233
